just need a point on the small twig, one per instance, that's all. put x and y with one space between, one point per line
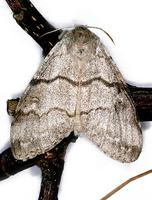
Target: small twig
52 164
28 17
10 166
143 102
125 183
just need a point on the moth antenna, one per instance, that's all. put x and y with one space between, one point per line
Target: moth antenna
54 31
102 31
125 183
84 26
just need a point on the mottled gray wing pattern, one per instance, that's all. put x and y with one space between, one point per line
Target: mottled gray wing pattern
78 87
44 115
108 116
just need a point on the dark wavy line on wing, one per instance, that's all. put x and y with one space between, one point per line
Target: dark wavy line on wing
93 109
22 113
74 83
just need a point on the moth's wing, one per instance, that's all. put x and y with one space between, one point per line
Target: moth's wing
44 115
108 115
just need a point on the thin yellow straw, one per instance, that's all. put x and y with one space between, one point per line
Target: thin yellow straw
125 183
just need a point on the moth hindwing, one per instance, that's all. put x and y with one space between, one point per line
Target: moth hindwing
77 88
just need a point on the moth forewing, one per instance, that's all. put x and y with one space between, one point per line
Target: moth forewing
77 88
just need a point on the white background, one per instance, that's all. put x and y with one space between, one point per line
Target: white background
88 174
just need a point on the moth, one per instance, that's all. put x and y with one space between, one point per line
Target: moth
77 88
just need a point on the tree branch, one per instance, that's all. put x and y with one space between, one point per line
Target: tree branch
143 102
52 164
28 17
10 166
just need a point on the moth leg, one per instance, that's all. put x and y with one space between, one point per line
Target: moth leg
28 17
143 101
11 106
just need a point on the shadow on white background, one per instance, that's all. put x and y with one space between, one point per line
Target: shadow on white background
88 173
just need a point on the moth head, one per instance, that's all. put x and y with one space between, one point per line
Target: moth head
82 35
83 42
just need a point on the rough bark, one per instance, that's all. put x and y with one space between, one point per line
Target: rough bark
143 102
28 17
